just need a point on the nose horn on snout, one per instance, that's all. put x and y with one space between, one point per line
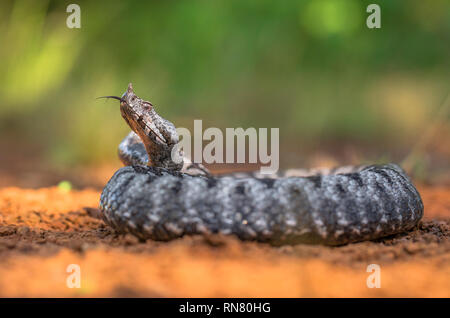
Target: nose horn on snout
129 90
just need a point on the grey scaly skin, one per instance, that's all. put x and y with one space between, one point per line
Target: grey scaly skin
155 198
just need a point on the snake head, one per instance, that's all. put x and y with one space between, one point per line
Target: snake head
142 118
158 134
134 109
131 100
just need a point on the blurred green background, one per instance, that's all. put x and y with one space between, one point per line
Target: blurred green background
312 68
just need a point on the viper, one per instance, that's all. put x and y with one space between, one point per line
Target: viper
161 196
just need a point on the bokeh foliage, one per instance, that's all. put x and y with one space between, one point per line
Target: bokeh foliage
312 68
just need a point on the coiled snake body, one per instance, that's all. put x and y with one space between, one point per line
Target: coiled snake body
153 197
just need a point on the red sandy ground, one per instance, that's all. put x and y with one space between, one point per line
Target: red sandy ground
42 231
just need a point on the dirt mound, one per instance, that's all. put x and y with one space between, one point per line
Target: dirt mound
43 231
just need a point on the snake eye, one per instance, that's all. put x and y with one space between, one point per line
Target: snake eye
147 106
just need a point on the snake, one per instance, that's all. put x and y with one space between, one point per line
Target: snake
158 196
